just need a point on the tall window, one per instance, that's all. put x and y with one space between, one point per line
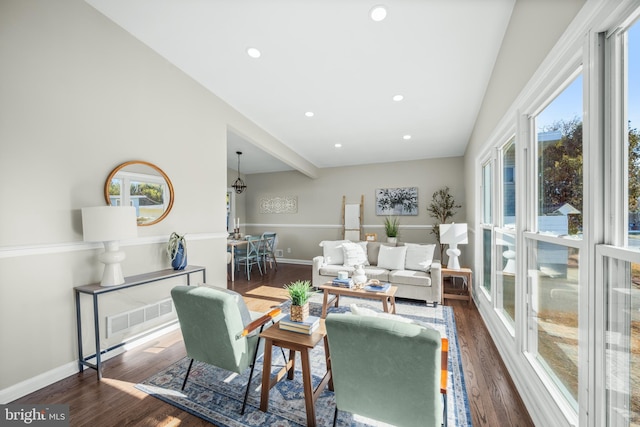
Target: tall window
487 220
559 148
633 111
553 266
505 237
622 265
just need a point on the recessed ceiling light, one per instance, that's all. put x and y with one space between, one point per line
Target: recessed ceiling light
309 114
253 52
337 145
398 98
406 137
378 13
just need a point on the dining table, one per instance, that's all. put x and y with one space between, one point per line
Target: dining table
232 244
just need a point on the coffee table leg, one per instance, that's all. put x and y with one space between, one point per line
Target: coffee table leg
325 301
308 388
266 376
393 304
385 307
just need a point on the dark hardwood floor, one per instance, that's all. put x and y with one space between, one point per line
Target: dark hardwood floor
116 402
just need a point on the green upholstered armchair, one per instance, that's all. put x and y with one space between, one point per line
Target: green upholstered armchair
218 329
388 370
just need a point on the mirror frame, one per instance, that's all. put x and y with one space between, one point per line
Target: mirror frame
157 169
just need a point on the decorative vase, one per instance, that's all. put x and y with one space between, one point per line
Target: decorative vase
359 277
179 261
299 313
392 239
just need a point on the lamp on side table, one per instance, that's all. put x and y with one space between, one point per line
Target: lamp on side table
110 224
453 235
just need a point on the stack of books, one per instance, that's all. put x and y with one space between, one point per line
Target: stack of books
343 283
380 287
310 324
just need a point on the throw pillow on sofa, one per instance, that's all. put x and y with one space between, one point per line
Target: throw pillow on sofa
392 258
333 252
373 250
419 257
355 254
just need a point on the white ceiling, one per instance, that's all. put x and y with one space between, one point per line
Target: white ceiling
329 57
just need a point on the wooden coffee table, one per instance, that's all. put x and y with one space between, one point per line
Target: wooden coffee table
387 298
301 343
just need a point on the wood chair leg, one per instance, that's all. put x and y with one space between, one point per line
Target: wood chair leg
187 376
444 410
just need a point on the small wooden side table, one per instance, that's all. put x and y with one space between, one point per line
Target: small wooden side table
300 343
467 275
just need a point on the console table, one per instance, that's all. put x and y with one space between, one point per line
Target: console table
95 290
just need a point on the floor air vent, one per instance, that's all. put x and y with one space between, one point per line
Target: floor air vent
122 322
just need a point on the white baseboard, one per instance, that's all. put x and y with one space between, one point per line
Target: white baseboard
30 385
295 261
45 379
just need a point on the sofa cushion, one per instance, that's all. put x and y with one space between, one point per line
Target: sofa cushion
410 277
332 251
419 257
355 253
375 272
373 249
392 258
332 270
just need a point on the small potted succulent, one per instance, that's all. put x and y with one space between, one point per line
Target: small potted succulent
299 293
391 226
177 251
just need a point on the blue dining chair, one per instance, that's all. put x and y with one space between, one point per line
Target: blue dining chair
268 249
251 257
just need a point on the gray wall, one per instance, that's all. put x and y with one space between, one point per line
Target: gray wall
319 215
78 96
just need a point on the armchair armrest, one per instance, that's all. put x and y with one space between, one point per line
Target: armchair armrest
436 279
259 322
316 279
444 361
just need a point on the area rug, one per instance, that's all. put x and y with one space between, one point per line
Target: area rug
216 395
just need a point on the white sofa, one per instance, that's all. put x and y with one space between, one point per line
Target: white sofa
408 266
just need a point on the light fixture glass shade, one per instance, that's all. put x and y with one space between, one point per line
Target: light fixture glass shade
110 224
106 223
453 234
239 185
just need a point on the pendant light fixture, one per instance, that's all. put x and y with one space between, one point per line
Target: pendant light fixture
239 185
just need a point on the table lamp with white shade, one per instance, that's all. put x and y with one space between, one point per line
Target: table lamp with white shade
453 235
110 224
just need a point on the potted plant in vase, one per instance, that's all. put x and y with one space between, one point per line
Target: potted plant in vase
299 293
391 226
443 207
177 251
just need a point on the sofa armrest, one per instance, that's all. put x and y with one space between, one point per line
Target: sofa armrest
316 279
436 279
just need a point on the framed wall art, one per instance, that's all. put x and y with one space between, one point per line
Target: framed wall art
278 205
397 201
